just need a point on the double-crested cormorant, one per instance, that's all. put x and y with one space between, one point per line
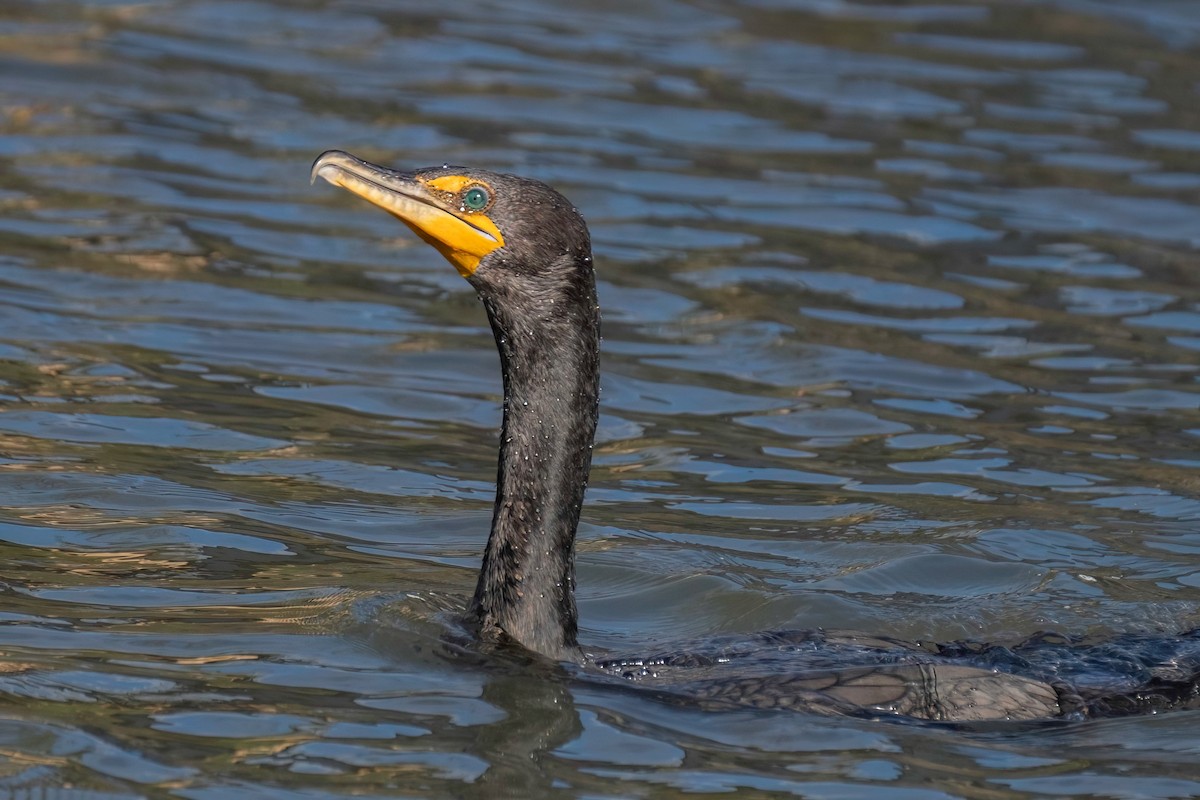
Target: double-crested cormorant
527 252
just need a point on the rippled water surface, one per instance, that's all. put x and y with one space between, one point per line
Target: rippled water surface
902 327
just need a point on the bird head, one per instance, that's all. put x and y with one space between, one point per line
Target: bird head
489 225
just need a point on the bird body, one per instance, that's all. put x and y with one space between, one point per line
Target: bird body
527 252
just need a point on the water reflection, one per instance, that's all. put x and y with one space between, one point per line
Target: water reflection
900 336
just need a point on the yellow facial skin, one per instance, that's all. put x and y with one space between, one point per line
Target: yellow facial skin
433 207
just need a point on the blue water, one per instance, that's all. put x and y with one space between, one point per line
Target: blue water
901 336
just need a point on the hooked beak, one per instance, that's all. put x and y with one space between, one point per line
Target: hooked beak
434 214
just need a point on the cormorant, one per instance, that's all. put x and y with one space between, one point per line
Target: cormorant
527 252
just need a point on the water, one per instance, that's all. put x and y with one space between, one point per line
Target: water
901 333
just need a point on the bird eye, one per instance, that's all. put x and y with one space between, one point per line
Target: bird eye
476 198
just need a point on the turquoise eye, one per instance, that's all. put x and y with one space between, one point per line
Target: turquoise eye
476 198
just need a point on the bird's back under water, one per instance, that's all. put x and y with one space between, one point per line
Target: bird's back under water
1047 676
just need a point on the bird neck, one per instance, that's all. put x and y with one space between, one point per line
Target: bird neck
549 354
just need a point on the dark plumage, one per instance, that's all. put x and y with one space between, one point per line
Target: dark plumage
527 252
540 296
